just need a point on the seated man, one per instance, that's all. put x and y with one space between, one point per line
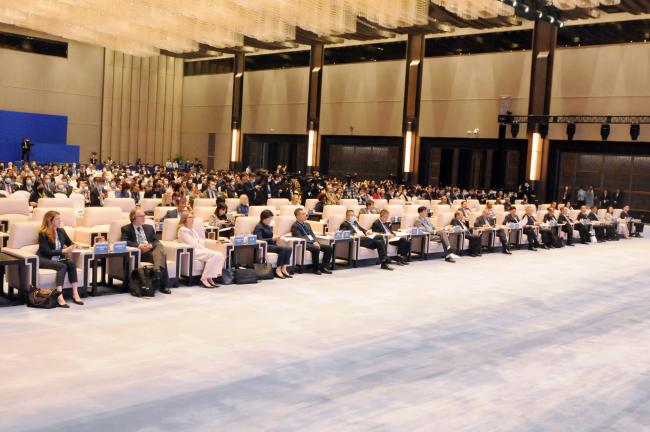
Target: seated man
351 224
139 235
474 239
382 226
369 208
611 224
301 229
551 220
181 206
512 218
531 223
569 225
487 222
638 225
599 228
440 236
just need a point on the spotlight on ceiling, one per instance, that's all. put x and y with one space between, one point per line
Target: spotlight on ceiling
635 131
514 129
570 130
604 131
542 128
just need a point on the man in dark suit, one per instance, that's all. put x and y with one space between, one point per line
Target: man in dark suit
512 218
464 209
382 226
459 223
570 225
599 228
487 222
531 223
638 224
566 195
25 149
139 235
97 193
351 224
617 198
301 229
551 234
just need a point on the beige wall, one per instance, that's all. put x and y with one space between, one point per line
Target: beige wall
207 108
54 85
142 107
366 96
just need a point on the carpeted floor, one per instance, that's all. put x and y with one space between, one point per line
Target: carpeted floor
549 341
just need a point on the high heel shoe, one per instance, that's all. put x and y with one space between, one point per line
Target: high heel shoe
80 303
279 274
287 275
206 284
213 283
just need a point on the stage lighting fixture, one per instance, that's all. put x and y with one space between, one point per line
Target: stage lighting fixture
514 129
570 131
635 131
604 131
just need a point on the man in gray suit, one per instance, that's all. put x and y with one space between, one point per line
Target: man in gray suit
440 236
486 221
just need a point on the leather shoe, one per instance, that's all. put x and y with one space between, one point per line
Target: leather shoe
165 290
507 252
64 305
450 259
326 270
385 266
80 303
532 249
318 272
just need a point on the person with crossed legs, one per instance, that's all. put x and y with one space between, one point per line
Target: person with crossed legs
351 224
302 229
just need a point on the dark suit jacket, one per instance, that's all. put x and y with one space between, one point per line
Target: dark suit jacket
347 226
548 217
456 223
303 231
264 232
47 249
481 221
128 235
377 226
170 214
564 219
94 198
511 219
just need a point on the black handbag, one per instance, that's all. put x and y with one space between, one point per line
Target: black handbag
227 277
42 298
144 282
263 271
245 276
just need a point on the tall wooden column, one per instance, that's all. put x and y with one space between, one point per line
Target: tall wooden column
316 62
541 81
236 150
411 115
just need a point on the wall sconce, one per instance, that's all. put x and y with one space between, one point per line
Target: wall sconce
234 146
408 146
535 159
311 145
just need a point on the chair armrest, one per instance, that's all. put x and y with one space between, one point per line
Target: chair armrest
317 226
217 246
19 253
171 247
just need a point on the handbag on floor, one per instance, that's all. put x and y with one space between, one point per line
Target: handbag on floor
144 282
245 276
263 271
42 298
226 278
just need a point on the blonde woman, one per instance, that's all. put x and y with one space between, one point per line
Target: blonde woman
53 244
213 259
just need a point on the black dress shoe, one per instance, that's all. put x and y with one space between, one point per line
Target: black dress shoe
450 259
385 266
326 270
64 305
317 272
532 249
166 290
507 252
570 244
545 247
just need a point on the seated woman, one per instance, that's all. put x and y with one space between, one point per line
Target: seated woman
213 259
264 231
53 244
320 205
243 205
219 219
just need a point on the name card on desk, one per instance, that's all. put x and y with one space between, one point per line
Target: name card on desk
417 231
347 234
338 235
101 248
119 246
458 229
395 219
251 239
238 240
513 226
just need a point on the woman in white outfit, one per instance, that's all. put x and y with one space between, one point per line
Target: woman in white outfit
213 259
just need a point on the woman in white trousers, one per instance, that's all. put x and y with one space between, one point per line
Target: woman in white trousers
213 259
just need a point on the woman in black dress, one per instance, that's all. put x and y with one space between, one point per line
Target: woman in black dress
53 244
264 231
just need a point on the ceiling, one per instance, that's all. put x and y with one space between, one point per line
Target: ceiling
205 28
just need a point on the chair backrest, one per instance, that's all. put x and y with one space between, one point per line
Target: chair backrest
14 206
498 208
204 212
366 220
334 223
204 202
170 227
55 202
472 217
443 219
68 215
601 213
115 231
543 206
78 201
310 203
20 194
60 195
287 210
330 210
411 209
422 202
277 202
454 207
397 202
573 214
348 201
159 212
380 203
394 210
540 215
617 213
520 207
518 201
149 204
94 216
440 208
232 204
408 220
23 233
473 204
257 210
245 224
283 224
126 204
357 208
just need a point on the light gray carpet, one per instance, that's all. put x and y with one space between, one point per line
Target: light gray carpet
549 341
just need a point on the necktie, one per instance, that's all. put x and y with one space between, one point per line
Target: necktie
141 237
